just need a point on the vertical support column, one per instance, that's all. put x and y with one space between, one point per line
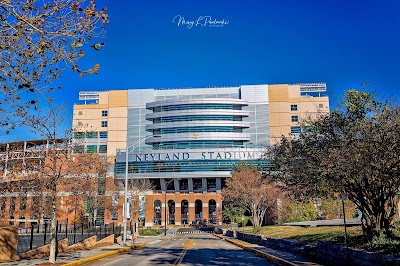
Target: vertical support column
164 208
204 185
176 185
219 185
163 185
191 211
177 213
205 210
219 213
190 184
149 211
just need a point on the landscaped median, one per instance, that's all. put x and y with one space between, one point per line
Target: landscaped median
103 255
264 255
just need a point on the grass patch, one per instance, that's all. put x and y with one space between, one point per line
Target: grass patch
150 232
309 235
334 234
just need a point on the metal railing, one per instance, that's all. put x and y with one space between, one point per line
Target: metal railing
36 235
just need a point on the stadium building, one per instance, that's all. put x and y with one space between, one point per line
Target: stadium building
185 140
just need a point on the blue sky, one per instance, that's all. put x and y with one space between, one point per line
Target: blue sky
342 43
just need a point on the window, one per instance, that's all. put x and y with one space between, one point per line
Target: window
293 107
91 148
79 135
295 130
103 149
104 124
103 134
80 113
78 149
91 135
104 113
321 105
295 118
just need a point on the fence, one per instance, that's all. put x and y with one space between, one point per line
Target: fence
39 235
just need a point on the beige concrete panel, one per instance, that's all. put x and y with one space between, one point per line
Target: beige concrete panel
277 132
294 91
117 123
113 146
90 106
284 107
118 98
120 112
278 93
103 97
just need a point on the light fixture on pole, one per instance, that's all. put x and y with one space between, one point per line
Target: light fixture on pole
165 206
132 148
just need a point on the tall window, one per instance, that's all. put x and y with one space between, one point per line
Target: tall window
104 124
104 113
22 202
295 118
293 107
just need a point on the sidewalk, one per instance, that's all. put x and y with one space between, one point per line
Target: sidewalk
69 257
278 256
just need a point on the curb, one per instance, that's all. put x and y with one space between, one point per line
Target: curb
103 255
260 253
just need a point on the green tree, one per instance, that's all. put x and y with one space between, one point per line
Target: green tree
231 210
355 149
39 40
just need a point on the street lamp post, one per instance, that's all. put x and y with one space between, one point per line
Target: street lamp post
165 206
133 147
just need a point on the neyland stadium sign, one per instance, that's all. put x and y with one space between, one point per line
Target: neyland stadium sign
205 155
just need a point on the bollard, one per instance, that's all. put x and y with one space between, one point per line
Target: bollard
66 229
45 231
74 232
31 242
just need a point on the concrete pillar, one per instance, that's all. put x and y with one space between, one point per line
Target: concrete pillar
176 184
177 213
163 206
219 185
204 184
219 213
163 185
205 210
191 211
190 185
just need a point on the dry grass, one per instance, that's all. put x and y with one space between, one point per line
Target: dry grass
309 235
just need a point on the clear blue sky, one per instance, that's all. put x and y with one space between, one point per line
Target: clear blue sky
342 43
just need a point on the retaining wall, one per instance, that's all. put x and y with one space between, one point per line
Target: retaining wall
8 243
325 252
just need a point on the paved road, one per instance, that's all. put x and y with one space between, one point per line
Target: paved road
189 249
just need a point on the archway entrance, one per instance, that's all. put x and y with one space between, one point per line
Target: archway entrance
184 212
157 212
171 212
212 211
198 211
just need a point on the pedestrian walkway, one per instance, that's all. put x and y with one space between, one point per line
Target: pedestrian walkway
334 222
68 257
278 256
193 232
